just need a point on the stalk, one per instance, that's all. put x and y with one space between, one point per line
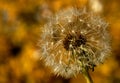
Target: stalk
87 75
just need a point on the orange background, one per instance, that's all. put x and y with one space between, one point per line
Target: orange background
20 27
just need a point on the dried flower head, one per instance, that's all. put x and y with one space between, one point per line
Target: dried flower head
74 39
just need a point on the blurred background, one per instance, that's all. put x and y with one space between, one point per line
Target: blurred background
21 22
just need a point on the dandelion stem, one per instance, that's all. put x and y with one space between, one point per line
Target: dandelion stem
87 75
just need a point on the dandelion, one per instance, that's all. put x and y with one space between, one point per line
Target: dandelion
73 41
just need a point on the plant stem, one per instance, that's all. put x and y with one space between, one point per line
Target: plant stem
87 75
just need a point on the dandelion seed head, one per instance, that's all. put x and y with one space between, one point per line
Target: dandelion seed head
74 39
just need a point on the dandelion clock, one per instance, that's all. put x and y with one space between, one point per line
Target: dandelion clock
74 41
